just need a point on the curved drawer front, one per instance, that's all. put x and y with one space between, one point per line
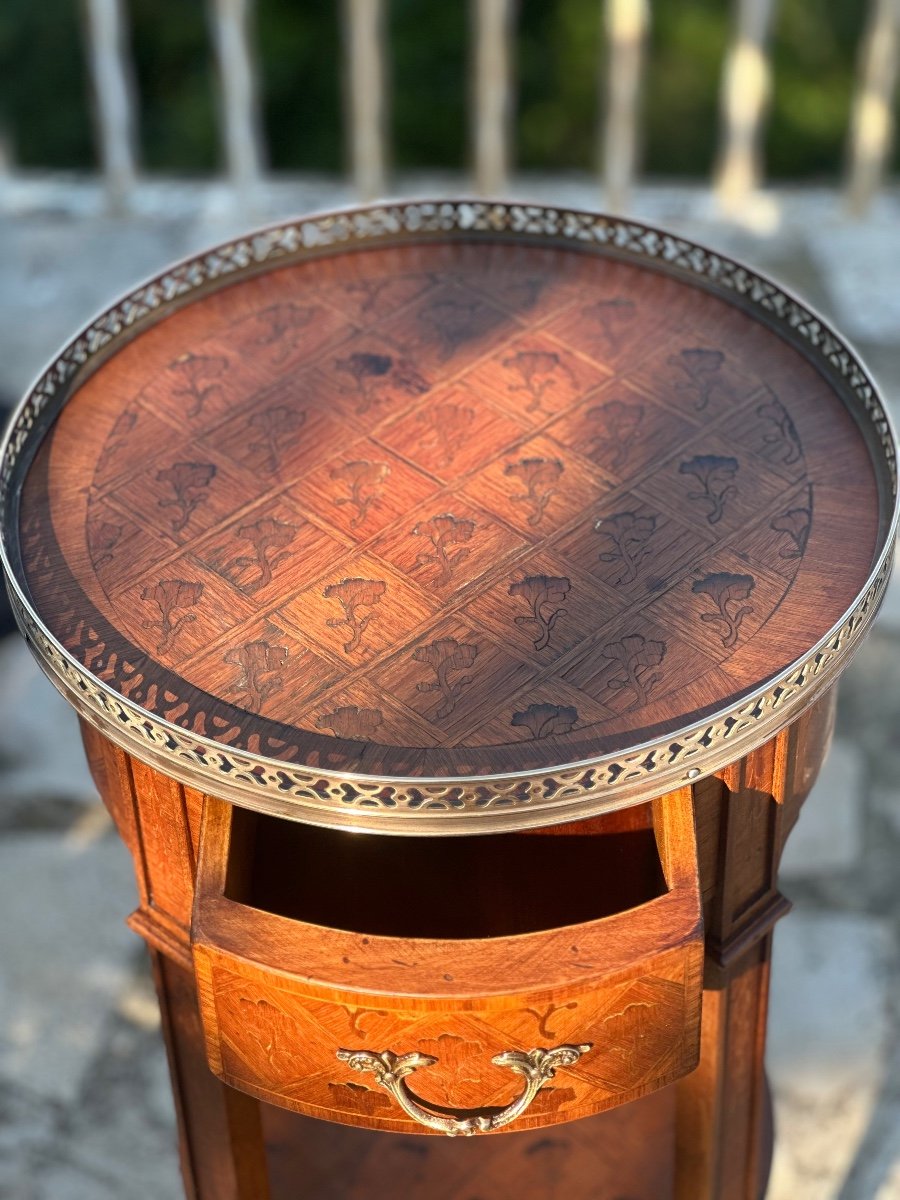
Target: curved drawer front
454 1034
279 1040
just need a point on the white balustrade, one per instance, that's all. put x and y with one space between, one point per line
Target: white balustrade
746 83
493 98
113 97
367 95
871 125
745 92
627 23
241 135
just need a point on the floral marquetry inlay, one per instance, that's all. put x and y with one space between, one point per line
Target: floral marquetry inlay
469 504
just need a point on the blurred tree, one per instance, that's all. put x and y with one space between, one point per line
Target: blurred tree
683 77
44 87
814 62
299 49
558 49
429 81
175 75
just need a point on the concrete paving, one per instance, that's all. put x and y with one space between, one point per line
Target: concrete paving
85 1111
829 834
47 883
38 789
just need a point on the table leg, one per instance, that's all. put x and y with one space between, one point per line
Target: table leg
744 816
219 1129
723 1122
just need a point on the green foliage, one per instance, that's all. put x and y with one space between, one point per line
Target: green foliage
814 64
175 78
560 66
299 51
44 91
681 100
558 51
429 100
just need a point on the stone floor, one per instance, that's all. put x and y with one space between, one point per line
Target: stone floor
85 1112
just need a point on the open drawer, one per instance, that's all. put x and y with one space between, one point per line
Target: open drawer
450 985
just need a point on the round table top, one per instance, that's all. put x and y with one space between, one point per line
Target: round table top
400 526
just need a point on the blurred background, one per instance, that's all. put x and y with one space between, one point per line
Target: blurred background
133 132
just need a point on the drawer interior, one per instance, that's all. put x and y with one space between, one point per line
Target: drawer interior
460 887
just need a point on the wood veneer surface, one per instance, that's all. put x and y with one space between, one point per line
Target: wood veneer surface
448 509
625 1154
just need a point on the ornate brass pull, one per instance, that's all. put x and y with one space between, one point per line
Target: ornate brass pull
390 1070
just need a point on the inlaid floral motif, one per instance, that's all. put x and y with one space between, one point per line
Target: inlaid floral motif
444 532
189 481
609 316
623 422
782 432
353 595
198 373
727 592
103 537
454 322
448 427
272 1031
259 663
369 289
635 656
545 595
629 534
283 325
539 475
370 371
545 720
522 294
352 722
117 439
715 475
277 427
269 539
702 370
796 523
171 596
365 481
355 1098
446 657
539 371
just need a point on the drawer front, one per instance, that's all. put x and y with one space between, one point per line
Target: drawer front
278 1039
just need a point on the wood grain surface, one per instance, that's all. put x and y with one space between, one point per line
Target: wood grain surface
445 970
448 509
599 1158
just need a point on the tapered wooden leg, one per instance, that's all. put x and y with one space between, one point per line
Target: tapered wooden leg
220 1129
723 1122
743 818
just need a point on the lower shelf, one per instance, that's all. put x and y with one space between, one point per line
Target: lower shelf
625 1154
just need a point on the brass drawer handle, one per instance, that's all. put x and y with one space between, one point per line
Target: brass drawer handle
536 1066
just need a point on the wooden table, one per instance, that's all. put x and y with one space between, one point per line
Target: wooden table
531 541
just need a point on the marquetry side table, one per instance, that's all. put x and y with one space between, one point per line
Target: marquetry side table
453 595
